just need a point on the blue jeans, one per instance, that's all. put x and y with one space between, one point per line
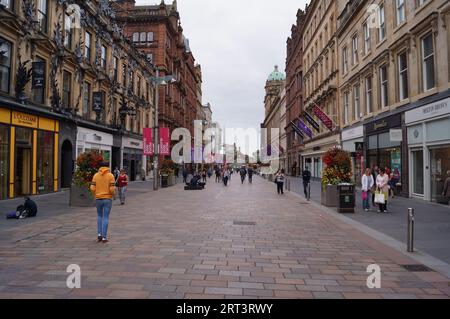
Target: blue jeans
366 202
122 191
103 210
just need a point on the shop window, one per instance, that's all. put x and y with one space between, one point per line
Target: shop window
417 172
45 155
440 165
4 160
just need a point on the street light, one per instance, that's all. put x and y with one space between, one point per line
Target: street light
157 81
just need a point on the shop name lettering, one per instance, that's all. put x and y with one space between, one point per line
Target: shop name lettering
435 108
377 126
26 119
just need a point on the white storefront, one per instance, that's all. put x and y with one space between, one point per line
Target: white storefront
89 140
352 142
429 150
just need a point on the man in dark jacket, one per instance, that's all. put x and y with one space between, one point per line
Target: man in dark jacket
306 175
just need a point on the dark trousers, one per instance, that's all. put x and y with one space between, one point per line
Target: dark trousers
383 207
280 188
306 188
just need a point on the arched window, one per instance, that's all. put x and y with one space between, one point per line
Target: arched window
143 37
135 37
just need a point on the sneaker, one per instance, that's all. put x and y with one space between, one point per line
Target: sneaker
385 211
99 238
366 209
104 240
379 211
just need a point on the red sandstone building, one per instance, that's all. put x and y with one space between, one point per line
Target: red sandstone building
294 94
156 31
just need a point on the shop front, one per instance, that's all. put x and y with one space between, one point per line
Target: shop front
91 140
314 151
429 150
384 142
28 154
134 161
353 142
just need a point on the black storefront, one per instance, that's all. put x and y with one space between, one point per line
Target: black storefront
384 139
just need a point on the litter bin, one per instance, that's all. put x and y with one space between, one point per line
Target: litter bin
164 180
346 194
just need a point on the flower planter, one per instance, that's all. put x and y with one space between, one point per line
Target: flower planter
330 196
81 196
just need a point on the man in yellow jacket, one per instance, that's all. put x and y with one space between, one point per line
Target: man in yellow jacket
103 187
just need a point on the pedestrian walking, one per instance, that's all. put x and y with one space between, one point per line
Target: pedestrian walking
306 176
103 187
226 176
116 173
210 173
204 175
375 172
279 180
122 184
250 175
382 189
393 181
218 174
185 174
367 183
243 173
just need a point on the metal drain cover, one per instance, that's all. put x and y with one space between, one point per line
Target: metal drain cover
240 223
417 268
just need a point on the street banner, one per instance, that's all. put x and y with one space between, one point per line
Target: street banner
323 117
302 126
297 130
148 142
38 75
311 121
164 141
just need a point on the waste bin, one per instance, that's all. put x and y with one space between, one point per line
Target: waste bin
164 180
346 194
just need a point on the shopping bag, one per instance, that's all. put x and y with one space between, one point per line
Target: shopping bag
364 195
380 198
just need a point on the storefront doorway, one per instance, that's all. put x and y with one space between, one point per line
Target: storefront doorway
440 169
24 160
67 164
4 160
417 172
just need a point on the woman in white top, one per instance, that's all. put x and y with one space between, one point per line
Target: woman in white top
383 187
367 183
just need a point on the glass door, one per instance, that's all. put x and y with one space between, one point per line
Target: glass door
24 158
440 171
417 172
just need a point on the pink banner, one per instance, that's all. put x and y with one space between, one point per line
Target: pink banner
323 117
164 141
148 142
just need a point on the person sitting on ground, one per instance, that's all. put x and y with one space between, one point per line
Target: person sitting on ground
27 209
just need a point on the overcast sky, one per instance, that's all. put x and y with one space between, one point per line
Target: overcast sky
237 42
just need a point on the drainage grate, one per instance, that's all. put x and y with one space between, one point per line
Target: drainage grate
54 233
240 223
304 203
417 268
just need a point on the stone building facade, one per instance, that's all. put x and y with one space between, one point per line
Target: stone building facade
394 66
89 90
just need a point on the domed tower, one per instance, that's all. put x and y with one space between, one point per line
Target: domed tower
274 85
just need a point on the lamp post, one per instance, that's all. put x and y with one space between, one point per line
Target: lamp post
157 81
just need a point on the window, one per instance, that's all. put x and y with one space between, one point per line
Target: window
356 102
135 37
382 29
68 32
86 99
150 58
403 76
143 37
400 10
42 15
369 95
5 65
384 86
428 62
150 37
44 166
87 46
366 38
124 74
7 3
355 50
103 55
345 60
346 106
421 2
39 93
115 66
139 86
67 86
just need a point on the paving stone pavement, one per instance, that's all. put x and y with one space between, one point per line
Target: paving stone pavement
191 244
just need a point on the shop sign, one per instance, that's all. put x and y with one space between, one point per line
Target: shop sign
148 142
23 119
384 124
38 75
428 111
396 160
164 141
359 147
353 133
396 135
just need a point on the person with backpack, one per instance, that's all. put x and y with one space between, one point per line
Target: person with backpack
279 180
122 184
103 187
250 175
243 173
306 175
